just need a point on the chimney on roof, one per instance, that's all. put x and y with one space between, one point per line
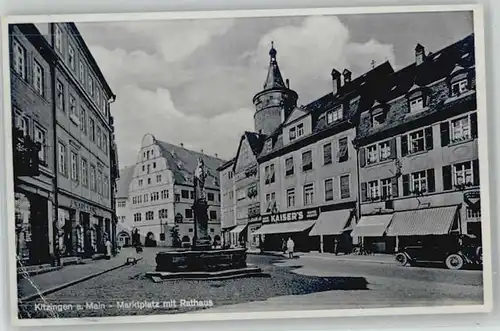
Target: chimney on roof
335 81
287 83
347 76
419 54
182 145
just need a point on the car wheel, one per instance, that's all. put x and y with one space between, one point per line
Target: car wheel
454 262
479 253
401 259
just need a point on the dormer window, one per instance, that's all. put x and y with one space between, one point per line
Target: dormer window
300 130
417 98
459 87
416 104
459 81
292 134
334 115
378 114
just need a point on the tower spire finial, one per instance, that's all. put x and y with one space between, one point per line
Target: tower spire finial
272 51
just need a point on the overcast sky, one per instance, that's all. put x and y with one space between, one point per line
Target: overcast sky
193 81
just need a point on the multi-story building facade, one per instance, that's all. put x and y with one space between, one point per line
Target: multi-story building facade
86 161
32 61
419 169
309 167
228 201
70 120
246 190
123 226
161 194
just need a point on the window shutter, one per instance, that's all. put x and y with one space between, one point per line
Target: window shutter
392 145
395 188
475 171
362 157
447 180
364 196
404 145
473 125
431 181
429 144
406 185
445 134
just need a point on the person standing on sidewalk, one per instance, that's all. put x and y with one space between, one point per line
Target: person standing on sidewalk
108 248
336 246
290 245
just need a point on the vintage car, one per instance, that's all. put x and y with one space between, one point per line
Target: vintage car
455 252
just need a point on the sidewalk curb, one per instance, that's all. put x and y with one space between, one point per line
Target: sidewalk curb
326 257
68 284
349 260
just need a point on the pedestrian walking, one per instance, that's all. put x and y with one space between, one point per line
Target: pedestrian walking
290 245
283 246
336 246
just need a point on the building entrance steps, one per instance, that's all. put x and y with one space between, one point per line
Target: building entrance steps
41 284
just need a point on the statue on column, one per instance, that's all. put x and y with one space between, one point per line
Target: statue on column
200 207
199 180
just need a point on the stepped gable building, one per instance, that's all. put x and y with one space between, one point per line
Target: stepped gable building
309 168
61 100
419 167
161 194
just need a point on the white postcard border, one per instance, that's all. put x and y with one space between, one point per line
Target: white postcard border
190 317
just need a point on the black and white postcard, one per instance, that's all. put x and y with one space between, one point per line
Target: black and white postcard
191 166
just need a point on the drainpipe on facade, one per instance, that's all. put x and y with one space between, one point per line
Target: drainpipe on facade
358 180
111 142
55 240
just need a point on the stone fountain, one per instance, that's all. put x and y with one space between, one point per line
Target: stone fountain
201 261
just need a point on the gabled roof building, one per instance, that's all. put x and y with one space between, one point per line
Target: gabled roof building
419 167
155 196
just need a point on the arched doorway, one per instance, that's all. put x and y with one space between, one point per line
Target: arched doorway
150 240
123 239
186 242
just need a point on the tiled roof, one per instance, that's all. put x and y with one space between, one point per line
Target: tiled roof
226 164
123 183
182 162
436 66
354 96
256 141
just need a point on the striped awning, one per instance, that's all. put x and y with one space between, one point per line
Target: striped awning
372 225
331 222
285 227
238 228
422 222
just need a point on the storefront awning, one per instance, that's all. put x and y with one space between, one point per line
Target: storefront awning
285 227
238 228
229 228
422 222
331 222
372 225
